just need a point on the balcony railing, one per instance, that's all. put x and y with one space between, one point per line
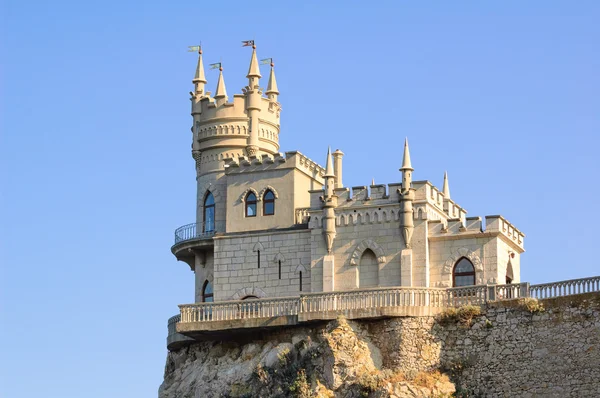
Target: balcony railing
377 302
198 231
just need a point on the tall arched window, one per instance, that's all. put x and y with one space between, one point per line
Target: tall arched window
251 205
269 203
209 213
207 292
463 274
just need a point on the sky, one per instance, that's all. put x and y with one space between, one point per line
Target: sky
96 171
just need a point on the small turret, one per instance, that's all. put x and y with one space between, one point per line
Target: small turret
199 78
407 196
272 90
329 204
446 186
221 92
337 168
253 103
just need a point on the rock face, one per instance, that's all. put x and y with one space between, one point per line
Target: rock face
509 349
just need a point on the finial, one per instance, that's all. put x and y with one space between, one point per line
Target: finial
406 165
272 85
254 70
372 182
220 92
329 165
446 189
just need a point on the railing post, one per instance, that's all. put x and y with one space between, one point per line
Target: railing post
524 289
491 292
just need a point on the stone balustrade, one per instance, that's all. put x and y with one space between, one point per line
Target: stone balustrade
199 318
565 288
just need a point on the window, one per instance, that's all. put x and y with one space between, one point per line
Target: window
209 213
251 205
279 269
207 292
269 203
300 279
258 259
463 274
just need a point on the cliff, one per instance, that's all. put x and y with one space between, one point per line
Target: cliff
510 348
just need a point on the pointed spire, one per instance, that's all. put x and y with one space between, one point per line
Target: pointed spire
372 182
406 159
272 86
221 92
329 165
446 186
254 70
199 76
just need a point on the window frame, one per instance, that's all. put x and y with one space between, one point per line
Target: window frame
470 273
207 207
267 201
207 295
248 203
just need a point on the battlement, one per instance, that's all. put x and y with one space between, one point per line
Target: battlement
292 159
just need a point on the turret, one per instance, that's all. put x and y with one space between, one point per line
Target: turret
272 90
221 92
337 168
329 204
407 196
446 190
199 78
253 104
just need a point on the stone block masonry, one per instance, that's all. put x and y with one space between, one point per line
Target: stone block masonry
508 350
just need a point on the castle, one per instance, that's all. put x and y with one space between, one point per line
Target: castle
273 225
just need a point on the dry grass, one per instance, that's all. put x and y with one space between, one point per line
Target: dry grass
430 379
532 305
463 315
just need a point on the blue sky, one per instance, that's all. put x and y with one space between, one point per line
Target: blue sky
95 148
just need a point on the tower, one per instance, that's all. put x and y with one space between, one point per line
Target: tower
223 128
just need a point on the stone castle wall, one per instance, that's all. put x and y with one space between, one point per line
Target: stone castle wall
508 350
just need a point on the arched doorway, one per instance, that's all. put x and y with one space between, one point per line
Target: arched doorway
368 270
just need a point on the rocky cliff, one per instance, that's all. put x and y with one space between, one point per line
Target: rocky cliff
513 348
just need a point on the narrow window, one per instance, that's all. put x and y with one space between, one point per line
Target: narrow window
251 205
209 213
269 203
258 253
300 280
463 274
207 292
279 269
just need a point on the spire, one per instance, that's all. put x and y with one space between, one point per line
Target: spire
221 92
272 86
199 76
372 182
254 70
406 159
446 186
329 167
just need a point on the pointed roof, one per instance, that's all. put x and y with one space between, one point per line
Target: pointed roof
254 70
406 159
329 167
446 186
199 76
220 91
272 86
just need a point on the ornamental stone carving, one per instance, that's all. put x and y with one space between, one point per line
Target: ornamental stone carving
248 291
268 188
459 253
364 245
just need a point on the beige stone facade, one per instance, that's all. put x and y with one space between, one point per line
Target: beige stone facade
273 224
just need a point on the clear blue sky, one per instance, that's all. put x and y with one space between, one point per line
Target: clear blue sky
97 173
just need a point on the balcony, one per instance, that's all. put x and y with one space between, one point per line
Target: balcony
195 236
205 320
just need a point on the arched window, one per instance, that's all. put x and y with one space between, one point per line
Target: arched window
207 292
251 205
463 274
209 213
269 203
